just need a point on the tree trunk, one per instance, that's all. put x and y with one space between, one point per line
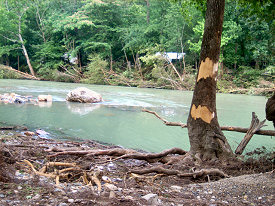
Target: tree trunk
23 46
206 138
148 11
26 55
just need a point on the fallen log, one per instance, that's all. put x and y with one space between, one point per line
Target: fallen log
25 75
226 128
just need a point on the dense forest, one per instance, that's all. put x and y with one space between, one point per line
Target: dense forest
124 42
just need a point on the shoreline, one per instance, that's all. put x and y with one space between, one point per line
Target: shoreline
117 185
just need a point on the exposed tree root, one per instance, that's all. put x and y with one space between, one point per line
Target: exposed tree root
195 174
122 153
72 170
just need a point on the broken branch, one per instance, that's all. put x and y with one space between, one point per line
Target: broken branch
254 127
226 128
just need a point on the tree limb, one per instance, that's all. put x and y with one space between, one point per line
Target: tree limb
254 127
226 128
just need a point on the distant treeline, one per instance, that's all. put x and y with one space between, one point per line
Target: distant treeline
115 41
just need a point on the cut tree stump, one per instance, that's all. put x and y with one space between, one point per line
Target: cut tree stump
254 127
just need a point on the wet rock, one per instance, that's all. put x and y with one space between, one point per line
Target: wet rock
83 95
45 98
15 98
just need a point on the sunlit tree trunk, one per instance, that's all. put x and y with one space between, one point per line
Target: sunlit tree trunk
206 138
24 48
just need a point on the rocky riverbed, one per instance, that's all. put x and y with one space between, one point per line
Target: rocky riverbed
110 182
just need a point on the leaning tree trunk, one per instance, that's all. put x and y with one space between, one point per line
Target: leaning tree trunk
24 48
206 138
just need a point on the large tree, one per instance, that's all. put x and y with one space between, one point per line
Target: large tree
206 138
13 16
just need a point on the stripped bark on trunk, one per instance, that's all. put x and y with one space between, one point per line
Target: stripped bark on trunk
206 138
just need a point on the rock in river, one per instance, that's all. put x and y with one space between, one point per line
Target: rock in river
83 95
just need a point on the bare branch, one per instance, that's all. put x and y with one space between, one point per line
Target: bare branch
226 128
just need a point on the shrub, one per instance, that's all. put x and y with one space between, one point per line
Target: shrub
95 70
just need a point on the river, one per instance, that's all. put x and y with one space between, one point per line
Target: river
119 119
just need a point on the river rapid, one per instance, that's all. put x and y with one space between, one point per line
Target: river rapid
119 119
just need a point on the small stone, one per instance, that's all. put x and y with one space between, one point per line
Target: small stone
112 195
28 133
36 197
19 188
71 200
63 204
151 198
45 98
110 186
2 195
176 188
259 198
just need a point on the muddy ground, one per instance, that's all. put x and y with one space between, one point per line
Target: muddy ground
31 173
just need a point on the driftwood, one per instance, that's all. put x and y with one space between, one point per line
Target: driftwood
226 128
254 127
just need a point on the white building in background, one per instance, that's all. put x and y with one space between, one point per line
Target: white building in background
170 56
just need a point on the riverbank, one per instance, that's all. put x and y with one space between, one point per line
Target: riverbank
32 174
245 83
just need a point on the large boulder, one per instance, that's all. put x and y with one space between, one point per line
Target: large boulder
83 95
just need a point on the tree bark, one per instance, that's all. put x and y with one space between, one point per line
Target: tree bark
206 138
148 11
24 48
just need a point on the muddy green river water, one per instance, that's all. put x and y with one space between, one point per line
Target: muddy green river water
119 119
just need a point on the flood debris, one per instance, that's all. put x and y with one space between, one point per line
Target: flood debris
50 172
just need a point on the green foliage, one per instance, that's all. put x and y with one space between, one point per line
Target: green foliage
247 77
5 74
123 31
95 73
